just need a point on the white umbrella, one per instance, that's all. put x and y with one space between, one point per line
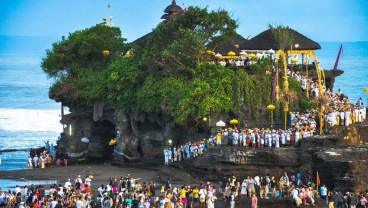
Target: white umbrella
271 51
84 140
218 56
243 53
220 123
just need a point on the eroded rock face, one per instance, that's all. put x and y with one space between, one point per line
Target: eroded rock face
340 160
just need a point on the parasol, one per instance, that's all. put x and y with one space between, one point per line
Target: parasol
84 140
220 123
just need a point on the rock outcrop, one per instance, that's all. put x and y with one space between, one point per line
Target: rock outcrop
340 160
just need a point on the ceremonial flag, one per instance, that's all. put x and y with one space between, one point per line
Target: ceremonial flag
337 58
318 180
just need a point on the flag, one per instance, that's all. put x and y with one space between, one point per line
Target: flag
338 58
318 180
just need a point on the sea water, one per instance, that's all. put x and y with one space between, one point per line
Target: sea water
28 117
7 184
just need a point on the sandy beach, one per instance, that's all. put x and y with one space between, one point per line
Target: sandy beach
101 174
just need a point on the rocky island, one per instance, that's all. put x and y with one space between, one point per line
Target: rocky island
168 88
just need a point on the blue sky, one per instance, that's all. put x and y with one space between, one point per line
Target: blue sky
321 20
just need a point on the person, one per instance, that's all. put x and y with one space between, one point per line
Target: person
183 195
353 200
218 138
266 183
243 191
59 205
167 201
339 198
54 202
78 184
88 180
129 201
29 162
47 144
67 184
21 205
231 199
323 191
35 161
210 200
250 183
254 201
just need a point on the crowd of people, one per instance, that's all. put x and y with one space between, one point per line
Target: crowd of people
133 193
45 157
185 151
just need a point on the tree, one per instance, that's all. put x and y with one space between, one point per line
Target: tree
78 63
179 46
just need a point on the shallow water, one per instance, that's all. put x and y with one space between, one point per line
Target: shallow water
7 184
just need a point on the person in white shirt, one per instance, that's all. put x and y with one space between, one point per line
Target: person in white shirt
79 203
88 181
324 193
67 184
17 189
53 203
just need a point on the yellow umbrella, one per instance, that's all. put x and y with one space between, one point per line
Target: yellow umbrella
234 121
271 107
252 55
129 53
112 141
106 52
231 53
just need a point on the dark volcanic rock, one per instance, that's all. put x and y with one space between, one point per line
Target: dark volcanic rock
340 160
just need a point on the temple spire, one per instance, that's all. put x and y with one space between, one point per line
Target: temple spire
171 11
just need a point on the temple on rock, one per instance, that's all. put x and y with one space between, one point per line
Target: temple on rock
229 141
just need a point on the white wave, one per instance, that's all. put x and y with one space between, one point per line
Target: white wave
30 120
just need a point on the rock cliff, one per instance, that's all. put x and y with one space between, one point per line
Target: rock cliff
340 160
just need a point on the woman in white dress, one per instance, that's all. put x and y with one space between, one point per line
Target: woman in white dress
210 200
243 192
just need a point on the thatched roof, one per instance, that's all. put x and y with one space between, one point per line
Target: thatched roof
265 41
142 41
173 8
228 45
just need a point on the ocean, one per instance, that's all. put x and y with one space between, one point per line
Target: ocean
28 117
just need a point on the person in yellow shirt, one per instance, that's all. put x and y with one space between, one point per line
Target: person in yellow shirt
182 193
218 138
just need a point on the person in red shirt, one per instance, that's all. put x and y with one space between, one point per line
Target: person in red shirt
87 189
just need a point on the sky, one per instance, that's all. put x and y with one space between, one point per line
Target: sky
320 20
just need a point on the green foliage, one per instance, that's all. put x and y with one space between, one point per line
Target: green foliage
171 75
78 63
303 105
123 80
179 46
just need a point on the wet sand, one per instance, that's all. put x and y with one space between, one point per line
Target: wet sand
100 172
